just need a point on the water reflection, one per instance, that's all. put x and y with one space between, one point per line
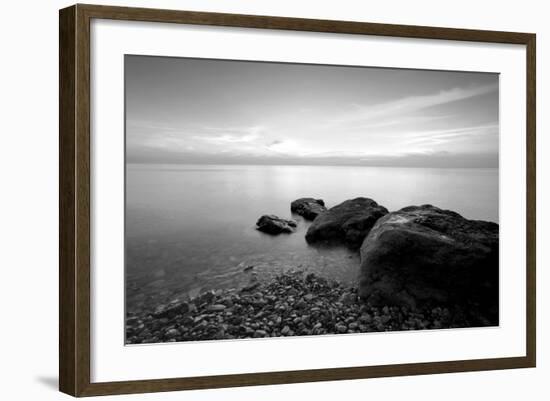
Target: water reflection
191 228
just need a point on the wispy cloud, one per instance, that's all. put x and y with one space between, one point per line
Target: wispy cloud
287 147
265 113
224 139
411 104
229 135
438 137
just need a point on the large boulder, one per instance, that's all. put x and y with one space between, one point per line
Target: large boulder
274 225
308 208
348 223
426 255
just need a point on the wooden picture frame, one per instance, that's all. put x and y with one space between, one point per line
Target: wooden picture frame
74 199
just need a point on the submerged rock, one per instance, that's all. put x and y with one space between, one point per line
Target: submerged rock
423 254
172 309
308 208
348 222
274 225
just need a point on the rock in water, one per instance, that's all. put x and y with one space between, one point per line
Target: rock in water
308 208
348 223
274 225
171 310
423 254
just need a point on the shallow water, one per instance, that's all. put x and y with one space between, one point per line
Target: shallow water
191 227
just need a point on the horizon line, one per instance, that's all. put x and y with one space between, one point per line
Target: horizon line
305 165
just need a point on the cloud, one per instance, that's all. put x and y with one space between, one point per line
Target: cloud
438 137
411 104
402 120
229 135
406 131
225 139
287 147
441 159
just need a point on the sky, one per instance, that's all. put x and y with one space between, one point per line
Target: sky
202 111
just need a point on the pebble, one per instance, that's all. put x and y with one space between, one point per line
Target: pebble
216 308
365 318
301 304
341 328
172 333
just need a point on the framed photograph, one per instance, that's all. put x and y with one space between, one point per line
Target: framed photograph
250 200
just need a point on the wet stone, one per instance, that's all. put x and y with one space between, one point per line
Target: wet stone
288 304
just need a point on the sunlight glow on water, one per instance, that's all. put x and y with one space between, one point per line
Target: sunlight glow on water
191 227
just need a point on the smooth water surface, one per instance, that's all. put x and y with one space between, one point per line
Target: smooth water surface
191 227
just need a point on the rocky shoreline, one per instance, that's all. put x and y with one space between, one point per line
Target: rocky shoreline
421 267
294 303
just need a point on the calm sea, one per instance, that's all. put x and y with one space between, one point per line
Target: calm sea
190 228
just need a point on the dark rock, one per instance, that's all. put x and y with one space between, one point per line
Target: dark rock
274 225
423 254
301 304
348 222
308 208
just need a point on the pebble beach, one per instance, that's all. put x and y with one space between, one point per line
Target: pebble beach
294 303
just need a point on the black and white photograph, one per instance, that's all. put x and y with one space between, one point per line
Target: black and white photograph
271 199
264 200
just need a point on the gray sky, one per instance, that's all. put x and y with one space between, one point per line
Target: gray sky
220 112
